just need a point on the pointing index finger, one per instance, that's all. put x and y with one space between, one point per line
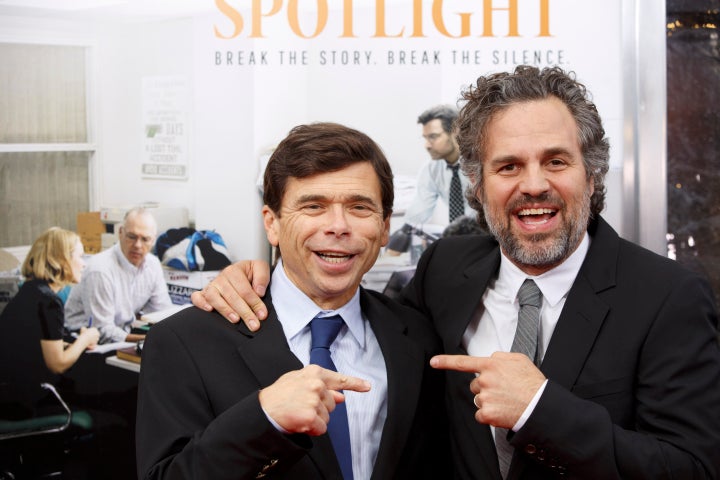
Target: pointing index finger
339 381
460 363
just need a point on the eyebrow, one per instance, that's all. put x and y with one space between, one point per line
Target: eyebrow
549 152
355 198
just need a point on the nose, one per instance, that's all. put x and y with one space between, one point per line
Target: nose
337 221
534 182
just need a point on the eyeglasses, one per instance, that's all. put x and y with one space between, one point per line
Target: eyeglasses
432 137
132 238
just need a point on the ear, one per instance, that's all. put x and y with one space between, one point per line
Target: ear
272 226
386 232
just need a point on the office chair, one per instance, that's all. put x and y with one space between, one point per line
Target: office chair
36 447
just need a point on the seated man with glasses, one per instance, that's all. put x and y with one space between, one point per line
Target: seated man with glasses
120 282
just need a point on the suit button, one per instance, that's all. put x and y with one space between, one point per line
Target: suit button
530 449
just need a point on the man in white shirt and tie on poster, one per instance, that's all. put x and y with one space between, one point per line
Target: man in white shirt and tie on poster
435 180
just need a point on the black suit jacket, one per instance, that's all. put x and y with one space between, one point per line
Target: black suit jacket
199 414
633 365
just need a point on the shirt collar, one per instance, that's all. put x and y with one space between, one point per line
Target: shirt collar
124 262
555 283
295 310
453 166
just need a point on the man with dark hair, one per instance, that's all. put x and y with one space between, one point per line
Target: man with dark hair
572 352
435 180
219 401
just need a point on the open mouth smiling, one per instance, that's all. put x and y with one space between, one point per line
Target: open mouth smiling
536 216
332 257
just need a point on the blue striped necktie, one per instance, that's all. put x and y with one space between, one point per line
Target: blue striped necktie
323 331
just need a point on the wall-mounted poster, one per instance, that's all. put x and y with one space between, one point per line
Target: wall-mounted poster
262 67
165 103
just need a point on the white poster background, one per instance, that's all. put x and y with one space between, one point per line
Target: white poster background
263 87
351 78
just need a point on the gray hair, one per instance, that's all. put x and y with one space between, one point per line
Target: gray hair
139 211
494 93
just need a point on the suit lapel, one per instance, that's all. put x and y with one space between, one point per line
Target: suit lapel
266 352
464 301
582 316
267 355
404 362
584 311
573 338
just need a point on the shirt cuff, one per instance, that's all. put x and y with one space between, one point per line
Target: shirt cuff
529 409
274 423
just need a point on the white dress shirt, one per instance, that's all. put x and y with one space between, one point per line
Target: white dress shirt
433 183
355 352
493 328
113 290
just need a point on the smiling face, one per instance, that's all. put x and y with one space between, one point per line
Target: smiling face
535 191
330 229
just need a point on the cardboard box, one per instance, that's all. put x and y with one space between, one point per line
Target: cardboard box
182 284
91 243
90 228
89 223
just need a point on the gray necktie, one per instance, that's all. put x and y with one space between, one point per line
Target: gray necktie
525 341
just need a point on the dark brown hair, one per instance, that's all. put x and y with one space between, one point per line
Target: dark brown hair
319 148
447 115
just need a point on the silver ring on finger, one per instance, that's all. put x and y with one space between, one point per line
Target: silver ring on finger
476 401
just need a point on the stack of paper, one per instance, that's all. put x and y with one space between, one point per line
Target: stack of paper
154 317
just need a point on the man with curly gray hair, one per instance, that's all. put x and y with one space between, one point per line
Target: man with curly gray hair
570 352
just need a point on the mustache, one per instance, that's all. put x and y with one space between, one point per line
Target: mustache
524 199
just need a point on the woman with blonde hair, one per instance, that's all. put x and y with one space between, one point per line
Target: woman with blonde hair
31 325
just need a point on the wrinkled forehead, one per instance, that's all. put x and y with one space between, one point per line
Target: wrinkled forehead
355 180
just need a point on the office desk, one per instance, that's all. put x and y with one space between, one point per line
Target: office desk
99 386
119 362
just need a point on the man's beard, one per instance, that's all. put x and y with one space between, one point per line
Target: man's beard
542 249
